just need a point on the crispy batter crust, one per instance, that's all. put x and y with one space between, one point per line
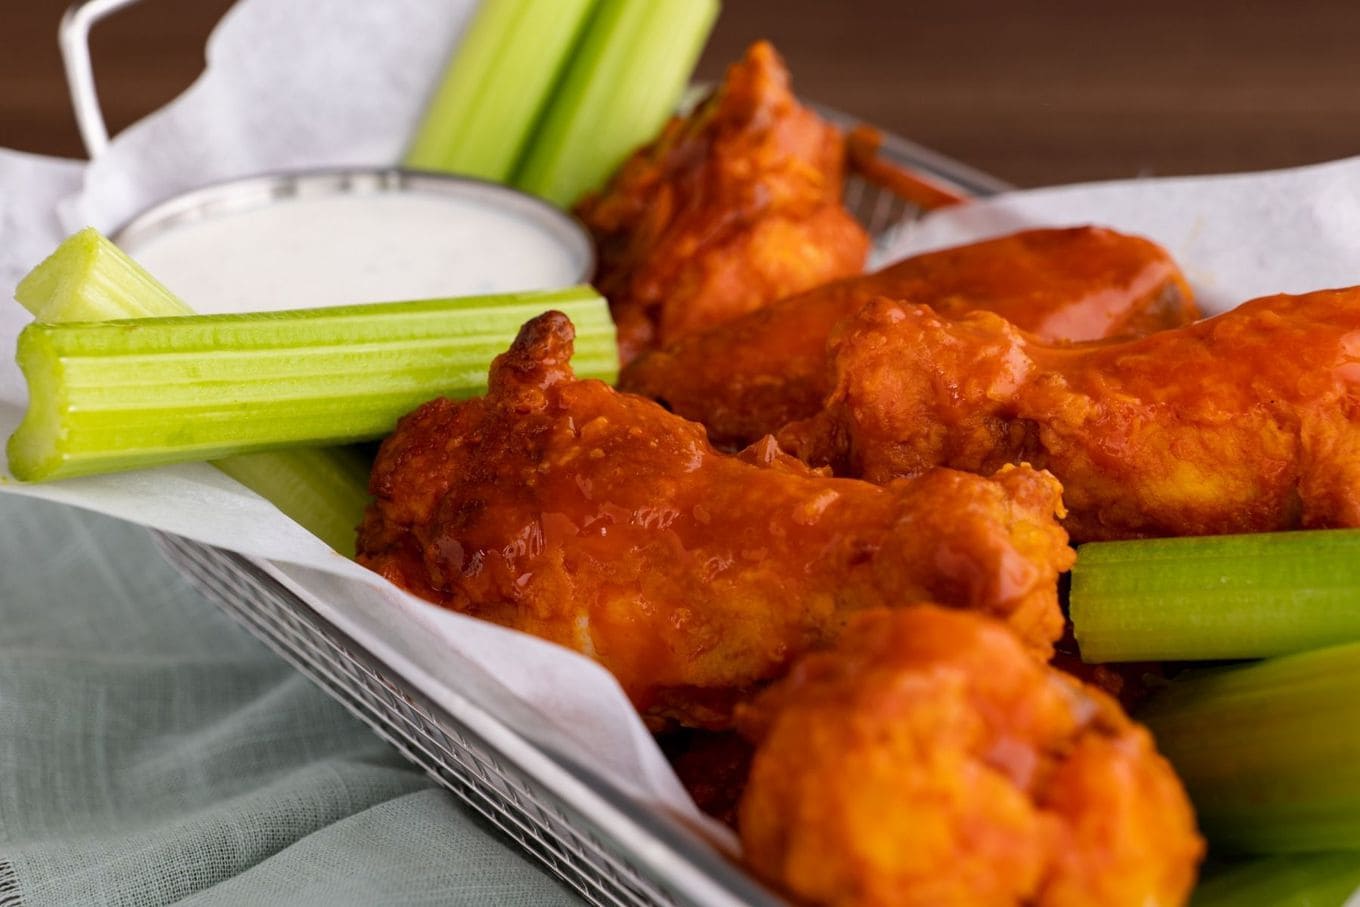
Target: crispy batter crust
748 377
928 759
1247 422
731 208
602 522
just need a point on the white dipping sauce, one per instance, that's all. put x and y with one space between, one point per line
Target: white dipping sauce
305 251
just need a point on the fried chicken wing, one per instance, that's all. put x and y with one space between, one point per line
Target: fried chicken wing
1246 422
750 376
927 759
732 207
602 522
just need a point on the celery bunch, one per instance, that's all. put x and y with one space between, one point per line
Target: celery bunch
551 95
88 278
128 394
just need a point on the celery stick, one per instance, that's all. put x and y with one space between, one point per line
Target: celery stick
1311 880
323 489
624 81
497 86
1269 752
128 394
1220 597
88 278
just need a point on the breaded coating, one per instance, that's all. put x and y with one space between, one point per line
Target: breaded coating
1246 422
928 759
602 522
748 377
732 207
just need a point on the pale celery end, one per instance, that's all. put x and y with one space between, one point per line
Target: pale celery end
88 278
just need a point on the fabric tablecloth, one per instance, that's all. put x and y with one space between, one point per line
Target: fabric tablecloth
152 752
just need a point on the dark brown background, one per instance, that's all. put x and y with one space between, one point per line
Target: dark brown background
1033 92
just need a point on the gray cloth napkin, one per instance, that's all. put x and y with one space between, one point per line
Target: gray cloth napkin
152 752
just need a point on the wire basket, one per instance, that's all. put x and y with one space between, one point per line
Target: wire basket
578 823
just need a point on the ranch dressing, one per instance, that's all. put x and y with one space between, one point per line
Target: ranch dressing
337 247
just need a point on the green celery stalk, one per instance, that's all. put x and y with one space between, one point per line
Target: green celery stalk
89 278
1269 752
629 72
129 394
322 489
1219 597
1307 880
497 86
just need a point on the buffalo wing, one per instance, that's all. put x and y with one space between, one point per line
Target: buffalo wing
928 760
1247 422
602 522
731 208
750 376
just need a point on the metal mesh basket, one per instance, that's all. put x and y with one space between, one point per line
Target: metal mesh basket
578 823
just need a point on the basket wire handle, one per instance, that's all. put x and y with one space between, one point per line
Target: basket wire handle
73 36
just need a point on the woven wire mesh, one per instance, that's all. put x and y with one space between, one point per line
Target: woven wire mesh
515 804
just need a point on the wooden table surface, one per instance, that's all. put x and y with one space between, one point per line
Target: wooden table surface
1036 93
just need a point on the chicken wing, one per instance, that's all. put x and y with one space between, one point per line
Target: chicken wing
602 522
732 207
1246 422
750 376
929 760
